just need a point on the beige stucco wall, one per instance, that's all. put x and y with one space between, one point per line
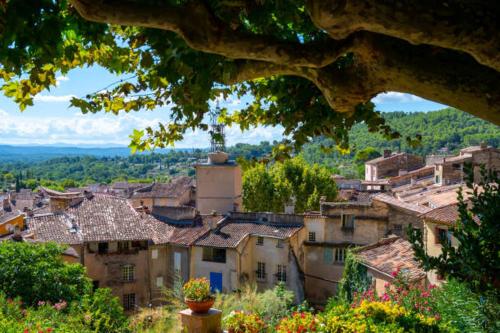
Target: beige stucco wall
106 268
269 254
218 187
432 247
229 270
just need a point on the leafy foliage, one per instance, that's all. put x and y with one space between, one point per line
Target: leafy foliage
354 279
269 189
475 259
37 273
197 290
158 68
443 132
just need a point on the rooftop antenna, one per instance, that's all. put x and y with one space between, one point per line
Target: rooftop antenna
217 135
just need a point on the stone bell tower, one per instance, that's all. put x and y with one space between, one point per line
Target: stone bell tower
218 181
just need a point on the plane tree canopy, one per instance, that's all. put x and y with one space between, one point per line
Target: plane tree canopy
311 66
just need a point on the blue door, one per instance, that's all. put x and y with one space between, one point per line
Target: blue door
215 282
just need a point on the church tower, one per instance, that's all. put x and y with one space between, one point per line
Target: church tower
218 181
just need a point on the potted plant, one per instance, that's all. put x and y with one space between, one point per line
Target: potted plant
241 322
197 295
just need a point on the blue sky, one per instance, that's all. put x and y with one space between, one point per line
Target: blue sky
51 121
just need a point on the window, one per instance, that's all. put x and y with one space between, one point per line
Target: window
437 180
260 241
154 254
95 284
397 229
347 221
177 262
129 301
123 246
281 273
456 166
442 236
339 254
214 254
261 271
102 248
312 236
159 281
279 243
327 255
128 273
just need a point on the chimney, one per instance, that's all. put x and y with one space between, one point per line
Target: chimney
6 204
211 222
483 145
88 194
387 153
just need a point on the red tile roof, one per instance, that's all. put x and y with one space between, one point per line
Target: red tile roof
174 189
445 215
389 255
231 232
390 200
100 218
109 218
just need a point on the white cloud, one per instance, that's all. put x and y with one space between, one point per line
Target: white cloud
106 129
53 98
60 79
396 97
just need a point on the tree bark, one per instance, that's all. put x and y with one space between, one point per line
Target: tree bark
415 47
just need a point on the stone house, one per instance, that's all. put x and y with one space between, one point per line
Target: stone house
391 164
437 223
450 170
178 192
250 248
341 225
112 240
389 255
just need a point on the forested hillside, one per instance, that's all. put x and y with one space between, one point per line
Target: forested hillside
72 171
444 131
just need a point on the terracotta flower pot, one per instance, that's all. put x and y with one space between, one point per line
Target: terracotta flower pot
200 307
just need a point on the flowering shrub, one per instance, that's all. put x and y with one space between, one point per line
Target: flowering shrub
97 313
299 322
241 322
375 316
197 290
412 296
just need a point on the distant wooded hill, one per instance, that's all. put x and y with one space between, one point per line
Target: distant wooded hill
448 128
444 130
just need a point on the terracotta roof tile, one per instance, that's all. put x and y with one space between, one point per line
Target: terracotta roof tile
231 232
446 215
101 218
401 204
389 255
174 189
184 233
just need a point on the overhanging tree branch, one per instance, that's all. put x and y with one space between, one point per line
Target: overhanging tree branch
467 26
203 32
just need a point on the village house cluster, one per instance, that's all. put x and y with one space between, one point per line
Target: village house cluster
138 239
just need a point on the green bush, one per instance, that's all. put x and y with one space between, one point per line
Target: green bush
378 317
37 273
464 309
270 305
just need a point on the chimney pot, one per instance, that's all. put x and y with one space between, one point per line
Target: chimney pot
387 153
